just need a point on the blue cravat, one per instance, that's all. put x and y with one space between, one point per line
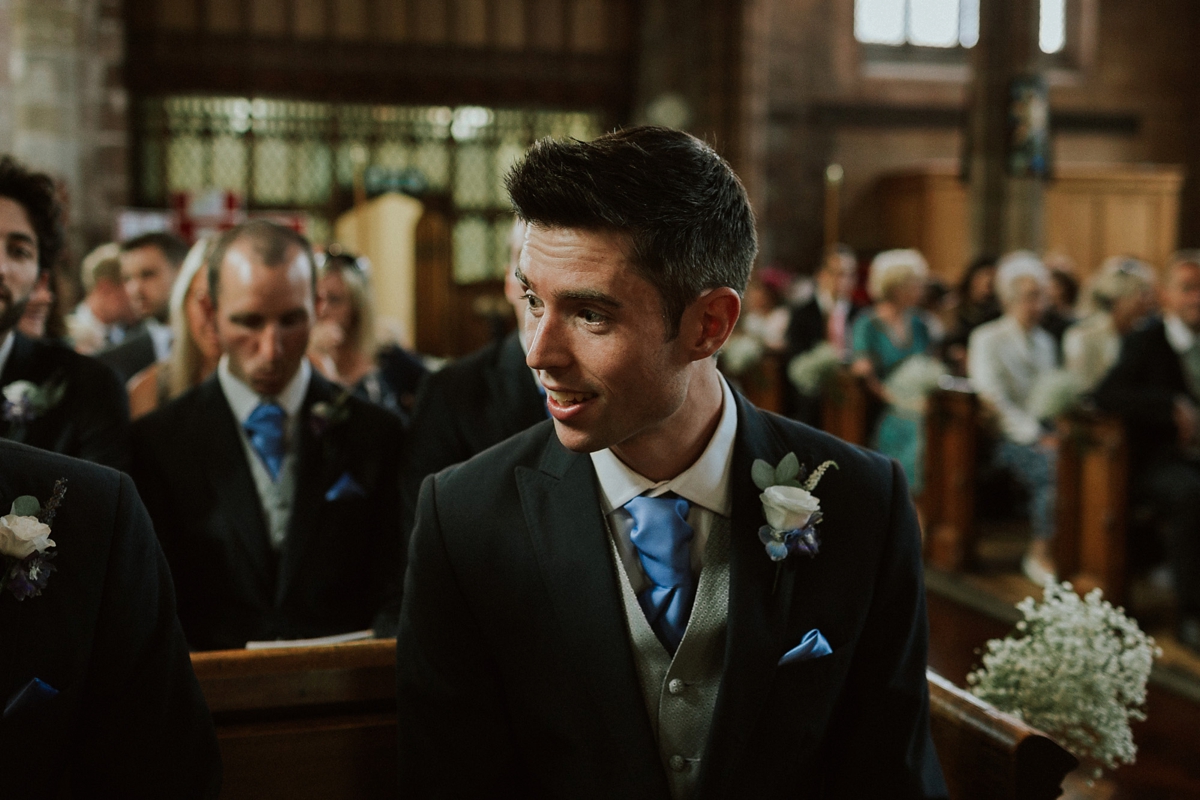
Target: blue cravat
663 539
264 428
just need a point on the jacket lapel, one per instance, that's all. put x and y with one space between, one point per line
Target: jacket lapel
233 484
571 544
761 597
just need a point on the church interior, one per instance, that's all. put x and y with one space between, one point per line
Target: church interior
948 135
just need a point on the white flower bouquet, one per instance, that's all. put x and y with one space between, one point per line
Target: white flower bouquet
910 384
1054 393
741 353
1076 669
812 369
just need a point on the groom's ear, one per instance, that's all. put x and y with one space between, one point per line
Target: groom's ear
709 320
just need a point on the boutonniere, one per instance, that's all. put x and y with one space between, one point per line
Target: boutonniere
25 401
792 510
324 415
25 543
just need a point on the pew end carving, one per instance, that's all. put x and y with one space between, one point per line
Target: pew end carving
947 501
845 408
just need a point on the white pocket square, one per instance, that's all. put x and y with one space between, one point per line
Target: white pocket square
812 646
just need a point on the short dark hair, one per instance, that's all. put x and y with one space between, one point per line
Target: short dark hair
35 192
270 242
170 245
686 215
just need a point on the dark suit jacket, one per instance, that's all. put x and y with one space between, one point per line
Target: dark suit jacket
339 569
129 719
130 356
465 408
92 419
514 650
1142 387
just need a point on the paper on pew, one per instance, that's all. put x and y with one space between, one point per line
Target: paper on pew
355 636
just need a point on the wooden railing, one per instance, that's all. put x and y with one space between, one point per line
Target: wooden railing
321 723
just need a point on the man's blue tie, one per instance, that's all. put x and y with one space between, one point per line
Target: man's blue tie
264 428
663 539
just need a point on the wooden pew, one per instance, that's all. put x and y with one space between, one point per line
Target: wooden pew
987 754
314 722
1092 505
321 723
845 404
763 384
947 501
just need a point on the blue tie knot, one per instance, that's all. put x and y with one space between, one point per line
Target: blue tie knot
663 540
264 428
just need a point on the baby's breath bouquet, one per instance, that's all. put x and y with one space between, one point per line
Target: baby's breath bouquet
1076 669
1055 393
741 353
812 369
911 383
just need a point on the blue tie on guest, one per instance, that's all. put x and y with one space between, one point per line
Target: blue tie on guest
663 539
264 428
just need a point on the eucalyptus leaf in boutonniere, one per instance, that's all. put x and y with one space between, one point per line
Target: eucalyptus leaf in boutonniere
25 543
790 507
324 415
25 401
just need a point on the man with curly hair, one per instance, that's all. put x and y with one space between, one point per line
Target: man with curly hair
53 398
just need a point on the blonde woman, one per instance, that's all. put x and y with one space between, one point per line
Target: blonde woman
883 337
1122 296
194 349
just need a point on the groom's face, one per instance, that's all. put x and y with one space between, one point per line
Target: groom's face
597 339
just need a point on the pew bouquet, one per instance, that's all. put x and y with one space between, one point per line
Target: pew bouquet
812 369
1076 668
911 383
741 353
1055 393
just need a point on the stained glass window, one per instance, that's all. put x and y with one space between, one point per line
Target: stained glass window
301 156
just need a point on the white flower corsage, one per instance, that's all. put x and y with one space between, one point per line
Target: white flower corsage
791 509
25 543
25 401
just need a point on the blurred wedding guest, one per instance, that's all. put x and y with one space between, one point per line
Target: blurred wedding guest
974 304
1060 305
194 347
149 266
52 397
476 401
883 337
43 317
99 697
1006 358
343 345
1121 297
825 316
103 316
1155 387
764 314
274 494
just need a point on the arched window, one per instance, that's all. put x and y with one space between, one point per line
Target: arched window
943 23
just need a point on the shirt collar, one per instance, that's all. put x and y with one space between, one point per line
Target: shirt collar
1181 337
704 483
243 400
6 348
161 336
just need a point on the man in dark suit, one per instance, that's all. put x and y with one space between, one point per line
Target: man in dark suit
275 494
1155 387
99 698
593 608
824 317
474 402
53 398
149 266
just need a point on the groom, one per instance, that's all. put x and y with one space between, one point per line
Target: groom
590 609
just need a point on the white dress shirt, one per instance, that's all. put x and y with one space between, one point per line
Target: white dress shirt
6 348
275 495
1004 361
705 484
161 335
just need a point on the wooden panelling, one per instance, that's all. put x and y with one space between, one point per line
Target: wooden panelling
1092 213
431 21
547 21
177 15
269 17
350 20
310 22
391 20
224 16
508 19
589 26
470 22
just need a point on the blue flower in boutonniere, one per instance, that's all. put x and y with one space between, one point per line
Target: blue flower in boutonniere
25 401
791 509
324 415
25 543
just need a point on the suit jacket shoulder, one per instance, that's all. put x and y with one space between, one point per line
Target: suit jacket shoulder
91 421
130 356
104 634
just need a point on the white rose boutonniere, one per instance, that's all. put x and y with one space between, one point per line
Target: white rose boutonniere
790 507
25 401
25 543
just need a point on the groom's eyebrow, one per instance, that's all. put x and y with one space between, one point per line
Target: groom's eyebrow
578 295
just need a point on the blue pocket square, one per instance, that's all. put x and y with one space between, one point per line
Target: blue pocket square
813 645
35 692
345 487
